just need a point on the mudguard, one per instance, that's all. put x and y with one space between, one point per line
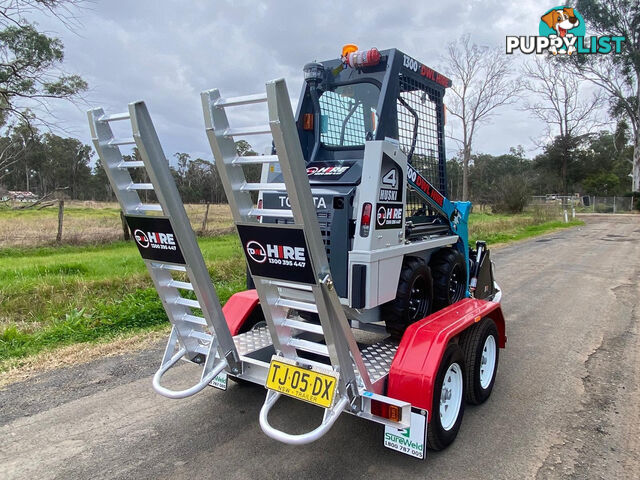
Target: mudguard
238 308
415 366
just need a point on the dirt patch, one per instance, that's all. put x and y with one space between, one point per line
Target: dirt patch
18 370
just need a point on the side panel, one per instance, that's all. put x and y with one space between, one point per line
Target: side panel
417 360
238 308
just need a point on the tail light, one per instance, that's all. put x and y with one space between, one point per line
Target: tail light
365 220
385 410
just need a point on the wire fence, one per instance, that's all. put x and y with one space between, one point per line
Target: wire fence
585 203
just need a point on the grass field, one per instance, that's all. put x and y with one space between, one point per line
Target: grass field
89 223
54 296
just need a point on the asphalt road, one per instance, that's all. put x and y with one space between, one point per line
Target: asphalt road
566 402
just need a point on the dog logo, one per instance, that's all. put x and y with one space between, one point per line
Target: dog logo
562 23
562 31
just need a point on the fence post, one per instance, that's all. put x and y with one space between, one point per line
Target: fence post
60 219
204 220
614 204
125 229
566 216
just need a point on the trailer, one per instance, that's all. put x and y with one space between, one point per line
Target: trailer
367 298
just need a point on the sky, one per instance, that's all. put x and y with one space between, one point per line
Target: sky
167 52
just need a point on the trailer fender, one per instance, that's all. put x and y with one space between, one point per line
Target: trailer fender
238 308
415 366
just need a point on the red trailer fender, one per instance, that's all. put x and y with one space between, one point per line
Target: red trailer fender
238 308
415 366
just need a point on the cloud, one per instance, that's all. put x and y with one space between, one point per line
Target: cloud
167 52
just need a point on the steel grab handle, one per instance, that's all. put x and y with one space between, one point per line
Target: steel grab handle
204 381
329 419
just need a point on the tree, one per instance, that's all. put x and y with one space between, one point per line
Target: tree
604 184
19 137
66 165
482 82
30 60
618 75
561 159
563 105
501 181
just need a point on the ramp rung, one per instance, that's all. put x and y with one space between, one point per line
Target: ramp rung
251 187
166 266
242 131
200 335
122 141
178 284
115 117
193 319
255 160
304 326
244 100
297 305
307 346
148 207
187 302
140 186
130 164
292 286
270 212
203 349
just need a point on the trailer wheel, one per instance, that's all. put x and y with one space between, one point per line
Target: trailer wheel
480 347
447 406
449 277
413 299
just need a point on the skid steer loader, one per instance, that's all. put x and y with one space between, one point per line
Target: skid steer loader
352 231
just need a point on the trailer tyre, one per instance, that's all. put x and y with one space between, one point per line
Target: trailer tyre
448 395
413 300
480 347
449 277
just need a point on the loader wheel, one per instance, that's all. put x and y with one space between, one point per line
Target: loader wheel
447 406
254 320
480 347
413 298
449 277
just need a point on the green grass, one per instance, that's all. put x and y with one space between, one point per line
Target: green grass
56 296
500 228
51 297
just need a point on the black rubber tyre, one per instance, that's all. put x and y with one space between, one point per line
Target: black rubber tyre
438 437
449 277
413 299
474 343
255 320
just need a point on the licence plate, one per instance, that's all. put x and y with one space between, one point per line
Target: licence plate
311 385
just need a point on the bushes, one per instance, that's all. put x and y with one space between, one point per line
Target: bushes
512 196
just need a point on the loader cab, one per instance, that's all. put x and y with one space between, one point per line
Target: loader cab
341 107
344 105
